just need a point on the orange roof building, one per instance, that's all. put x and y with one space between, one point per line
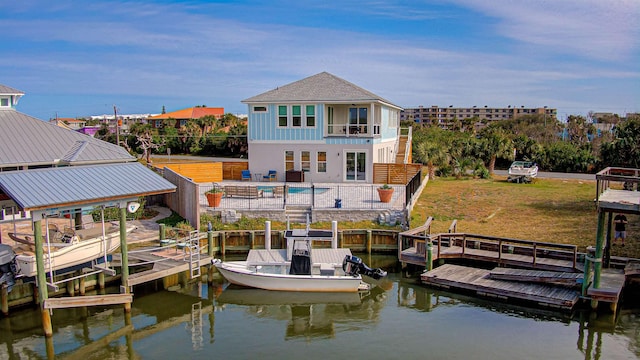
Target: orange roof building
182 116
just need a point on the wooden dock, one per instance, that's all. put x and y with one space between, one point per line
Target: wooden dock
479 281
163 262
538 276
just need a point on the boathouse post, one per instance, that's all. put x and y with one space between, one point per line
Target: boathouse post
597 262
210 243
429 254
267 235
43 293
125 255
334 234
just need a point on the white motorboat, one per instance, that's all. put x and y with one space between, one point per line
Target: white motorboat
300 267
522 171
67 248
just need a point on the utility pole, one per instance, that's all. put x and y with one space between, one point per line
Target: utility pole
115 117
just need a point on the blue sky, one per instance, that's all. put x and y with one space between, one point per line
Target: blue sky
79 58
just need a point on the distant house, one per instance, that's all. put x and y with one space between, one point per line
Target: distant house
323 128
184 115
70 123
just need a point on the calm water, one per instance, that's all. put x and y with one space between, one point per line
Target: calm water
406 321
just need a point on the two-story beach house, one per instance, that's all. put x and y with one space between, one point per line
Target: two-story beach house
323 127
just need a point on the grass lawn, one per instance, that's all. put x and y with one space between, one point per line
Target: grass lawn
550 210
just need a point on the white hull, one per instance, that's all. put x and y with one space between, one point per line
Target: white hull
236 272
71 255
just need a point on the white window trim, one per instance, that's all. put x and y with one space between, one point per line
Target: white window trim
310 160
318 162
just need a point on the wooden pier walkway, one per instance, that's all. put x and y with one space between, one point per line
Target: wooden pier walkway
479 281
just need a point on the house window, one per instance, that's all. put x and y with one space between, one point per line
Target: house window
259 109
311 115
4 102
321 161
288 160
158 123
297 115
355 166
282 115
305 160
358 120
183 123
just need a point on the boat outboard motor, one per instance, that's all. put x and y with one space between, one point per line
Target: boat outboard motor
8 267
353 265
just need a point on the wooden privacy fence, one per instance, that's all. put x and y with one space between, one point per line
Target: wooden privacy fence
398 174
232 170
199 172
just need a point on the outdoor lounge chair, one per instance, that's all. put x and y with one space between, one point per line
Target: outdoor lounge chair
271 176
246 175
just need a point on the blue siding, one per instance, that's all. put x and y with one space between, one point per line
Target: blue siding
264 127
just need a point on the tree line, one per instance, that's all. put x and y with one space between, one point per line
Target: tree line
576 146
206 136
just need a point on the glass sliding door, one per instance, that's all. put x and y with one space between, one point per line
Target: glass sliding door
356 166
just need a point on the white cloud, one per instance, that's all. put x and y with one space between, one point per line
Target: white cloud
589 28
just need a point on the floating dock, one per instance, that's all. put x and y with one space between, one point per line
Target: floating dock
479 281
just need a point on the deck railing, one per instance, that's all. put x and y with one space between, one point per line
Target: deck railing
497 245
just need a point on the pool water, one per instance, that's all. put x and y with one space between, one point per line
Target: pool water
296 190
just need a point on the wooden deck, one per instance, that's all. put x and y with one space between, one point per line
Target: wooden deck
164 262
480 282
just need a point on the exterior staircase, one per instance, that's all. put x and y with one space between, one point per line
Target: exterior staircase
403 146
298 214
402 149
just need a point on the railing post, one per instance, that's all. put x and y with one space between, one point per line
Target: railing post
535 253
499 249
210 243
464 243
223 240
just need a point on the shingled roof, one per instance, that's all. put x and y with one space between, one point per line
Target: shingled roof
322 87
6 90
28 141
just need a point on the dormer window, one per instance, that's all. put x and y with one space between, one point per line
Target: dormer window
4 102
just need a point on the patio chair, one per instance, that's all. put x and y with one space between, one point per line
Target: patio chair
271 176
246 175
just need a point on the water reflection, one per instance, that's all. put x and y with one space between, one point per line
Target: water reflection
182 324
310 316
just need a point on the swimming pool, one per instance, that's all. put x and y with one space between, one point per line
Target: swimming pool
296 190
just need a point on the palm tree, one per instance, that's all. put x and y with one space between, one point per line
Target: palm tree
433 155
496 144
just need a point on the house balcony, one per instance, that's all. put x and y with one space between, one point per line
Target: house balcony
349 130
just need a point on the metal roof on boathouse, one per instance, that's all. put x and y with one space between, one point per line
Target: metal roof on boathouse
81 185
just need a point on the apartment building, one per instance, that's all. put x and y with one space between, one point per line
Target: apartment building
445 115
